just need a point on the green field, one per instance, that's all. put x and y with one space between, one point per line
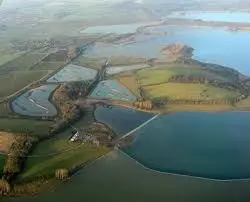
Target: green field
2 163
25 62
38 128
16 80
47 165
188 91
5 110
154 76
244 104
4 58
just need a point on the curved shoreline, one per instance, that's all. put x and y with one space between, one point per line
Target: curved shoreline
183 175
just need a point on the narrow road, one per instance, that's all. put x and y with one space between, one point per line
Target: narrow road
140 126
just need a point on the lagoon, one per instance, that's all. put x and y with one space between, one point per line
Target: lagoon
220 16
212 45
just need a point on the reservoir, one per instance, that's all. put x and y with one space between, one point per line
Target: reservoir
210 145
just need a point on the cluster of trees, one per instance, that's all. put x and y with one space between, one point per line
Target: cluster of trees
64 98
162 101
101 133
62 174
20 147
188 79
144 104
17 153
4 187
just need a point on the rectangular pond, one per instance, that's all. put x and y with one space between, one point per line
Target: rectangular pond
119 69
73 73
114 29
35 102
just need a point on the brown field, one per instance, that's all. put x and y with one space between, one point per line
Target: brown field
48 65
60 55
6 139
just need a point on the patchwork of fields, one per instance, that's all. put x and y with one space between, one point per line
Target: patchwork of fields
174 82
179 91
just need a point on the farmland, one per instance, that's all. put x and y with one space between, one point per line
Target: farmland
146 77
21 78
179 91
46 166
35 127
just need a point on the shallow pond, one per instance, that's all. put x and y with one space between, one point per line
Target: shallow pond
211 145
119 69
214 45
35 102
73 73
213 16
110 89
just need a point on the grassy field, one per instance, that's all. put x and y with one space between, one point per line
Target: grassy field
38 128
47 165
95 63
5 110
244 104
148 77
14 81
4 58
188 91
25 62
130 82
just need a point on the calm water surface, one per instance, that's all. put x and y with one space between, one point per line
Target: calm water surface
212 145
121 120
214 45
214 16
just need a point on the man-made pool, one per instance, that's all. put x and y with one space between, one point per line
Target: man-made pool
35 102
119 69
73 73
115 29
110 89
